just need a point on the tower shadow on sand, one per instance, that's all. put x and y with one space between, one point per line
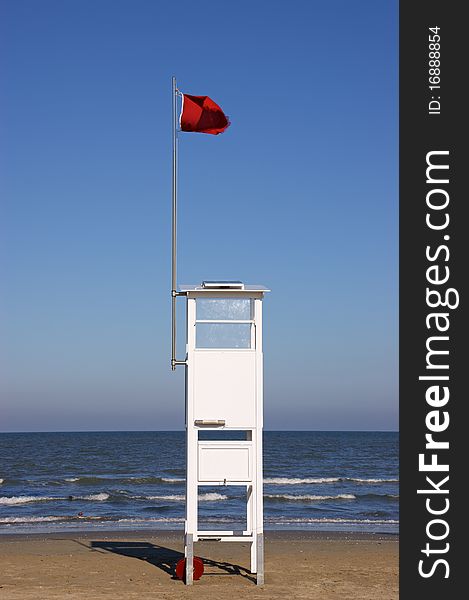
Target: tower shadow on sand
166 558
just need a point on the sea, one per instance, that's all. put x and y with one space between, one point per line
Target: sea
323 481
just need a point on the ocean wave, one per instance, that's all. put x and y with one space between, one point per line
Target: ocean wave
24 499
171 497
6 520
94 518
175 520
9 500
45 519
380 496
211 496
208 497
93 479
313 480
308 497
134 480
99 497
297 480
152 520
270 520
359 480
90 480
1 481
152 479
291 520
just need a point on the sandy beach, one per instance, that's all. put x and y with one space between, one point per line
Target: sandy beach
301 565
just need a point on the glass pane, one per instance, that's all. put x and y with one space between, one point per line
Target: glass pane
223 309
223 335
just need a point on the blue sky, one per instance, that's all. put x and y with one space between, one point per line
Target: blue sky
300 194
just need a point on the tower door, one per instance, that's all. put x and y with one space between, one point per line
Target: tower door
225 387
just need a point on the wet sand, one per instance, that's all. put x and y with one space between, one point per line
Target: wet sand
298 565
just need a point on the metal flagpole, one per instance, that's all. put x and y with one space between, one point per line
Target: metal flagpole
174 234
174 292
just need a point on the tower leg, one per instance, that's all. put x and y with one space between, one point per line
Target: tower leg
260 558
250 525
254 555
189 552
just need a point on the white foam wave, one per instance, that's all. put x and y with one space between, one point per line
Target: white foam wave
138 479
24 499
208 497
286 520
65 518
271 520
297 480
175 497
1 481
211 496
153 520
7 500
29 519
267 480
99 497
309 497
312 480
358 480
174 520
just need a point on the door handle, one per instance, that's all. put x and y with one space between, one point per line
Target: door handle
209 422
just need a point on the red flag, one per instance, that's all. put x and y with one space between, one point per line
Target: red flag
202 114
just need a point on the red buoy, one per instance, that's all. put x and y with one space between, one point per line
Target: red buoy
197 572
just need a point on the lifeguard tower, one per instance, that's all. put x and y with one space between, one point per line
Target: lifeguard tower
224 393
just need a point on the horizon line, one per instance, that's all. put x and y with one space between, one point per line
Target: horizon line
182 430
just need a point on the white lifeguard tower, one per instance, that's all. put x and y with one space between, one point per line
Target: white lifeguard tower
224 393
224 383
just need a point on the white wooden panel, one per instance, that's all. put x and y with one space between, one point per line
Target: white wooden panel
225 386
225 460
